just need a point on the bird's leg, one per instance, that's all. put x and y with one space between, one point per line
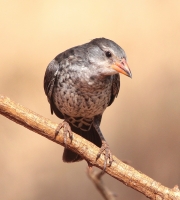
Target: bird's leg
106 151
66 131
105 147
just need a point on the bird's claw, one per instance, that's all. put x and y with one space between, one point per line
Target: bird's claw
107 155
66 131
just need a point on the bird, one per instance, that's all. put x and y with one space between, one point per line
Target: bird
80 83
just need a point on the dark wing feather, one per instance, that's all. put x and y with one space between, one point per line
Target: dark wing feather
49 82
54 67
49 78
115 87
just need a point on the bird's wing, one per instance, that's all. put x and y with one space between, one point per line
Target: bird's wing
115 87
53 69
49 81
49 78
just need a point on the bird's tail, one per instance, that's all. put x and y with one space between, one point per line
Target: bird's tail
91 135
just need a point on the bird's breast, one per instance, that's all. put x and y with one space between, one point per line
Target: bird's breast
77 97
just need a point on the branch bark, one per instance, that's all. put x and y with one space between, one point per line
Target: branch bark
119 170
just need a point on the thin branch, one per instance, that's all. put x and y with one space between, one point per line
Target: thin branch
119 170
96 178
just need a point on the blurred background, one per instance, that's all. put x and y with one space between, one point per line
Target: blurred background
143 124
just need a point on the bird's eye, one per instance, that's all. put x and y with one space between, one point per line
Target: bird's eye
108 54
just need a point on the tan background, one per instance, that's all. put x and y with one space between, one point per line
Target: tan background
143 125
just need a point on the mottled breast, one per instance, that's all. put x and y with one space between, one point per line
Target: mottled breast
78 95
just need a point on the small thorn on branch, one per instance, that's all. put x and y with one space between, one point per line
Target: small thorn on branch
176 188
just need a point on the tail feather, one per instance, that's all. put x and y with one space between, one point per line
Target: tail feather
71 156
91 135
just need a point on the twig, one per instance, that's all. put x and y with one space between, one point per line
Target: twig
119 170
96 178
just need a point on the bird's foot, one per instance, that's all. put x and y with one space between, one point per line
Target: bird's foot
66 131
105 150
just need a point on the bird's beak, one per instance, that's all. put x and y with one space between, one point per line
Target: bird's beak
122 67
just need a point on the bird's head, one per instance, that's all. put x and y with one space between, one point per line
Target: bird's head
109 57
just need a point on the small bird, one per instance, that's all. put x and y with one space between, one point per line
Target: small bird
80 83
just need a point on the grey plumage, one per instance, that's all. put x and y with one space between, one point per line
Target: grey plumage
80 83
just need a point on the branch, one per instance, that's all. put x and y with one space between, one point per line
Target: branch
119 170
96 178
